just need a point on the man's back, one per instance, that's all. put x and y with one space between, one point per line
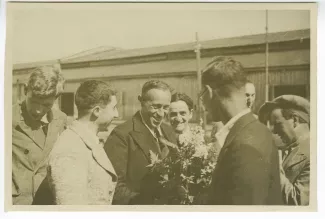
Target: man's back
247 172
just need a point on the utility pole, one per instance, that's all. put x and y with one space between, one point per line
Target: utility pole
198 74
266 58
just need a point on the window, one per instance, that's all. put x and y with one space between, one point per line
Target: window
299 90
67 103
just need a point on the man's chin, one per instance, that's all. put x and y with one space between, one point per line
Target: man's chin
37 118
180 128
104 128
180 131
155 124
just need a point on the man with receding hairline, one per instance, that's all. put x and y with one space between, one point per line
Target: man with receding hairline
36 126
129 145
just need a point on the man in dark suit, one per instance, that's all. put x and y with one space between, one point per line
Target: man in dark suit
129 145
247 172
288 116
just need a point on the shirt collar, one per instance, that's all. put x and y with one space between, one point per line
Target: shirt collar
84 132
222 134
45 118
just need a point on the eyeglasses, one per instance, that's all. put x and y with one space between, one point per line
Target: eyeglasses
158 107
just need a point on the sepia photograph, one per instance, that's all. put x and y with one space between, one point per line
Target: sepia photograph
169 106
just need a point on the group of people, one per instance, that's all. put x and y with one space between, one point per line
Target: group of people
61 164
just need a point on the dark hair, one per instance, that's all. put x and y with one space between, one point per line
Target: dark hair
183 97
45 81
154 84
91 93
224 74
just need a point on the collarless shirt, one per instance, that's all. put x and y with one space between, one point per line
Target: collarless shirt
222 134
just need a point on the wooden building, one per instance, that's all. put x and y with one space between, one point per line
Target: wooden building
128 70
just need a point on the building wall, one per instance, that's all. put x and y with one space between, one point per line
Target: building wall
129 90
129 85
278 77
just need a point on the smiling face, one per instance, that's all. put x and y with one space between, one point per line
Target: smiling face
155 106
179 115
282 127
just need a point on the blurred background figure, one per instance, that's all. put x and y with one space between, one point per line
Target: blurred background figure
250 95
288 116
36 126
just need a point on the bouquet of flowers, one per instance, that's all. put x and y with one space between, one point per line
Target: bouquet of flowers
186 174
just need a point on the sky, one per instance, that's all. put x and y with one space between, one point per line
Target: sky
52 31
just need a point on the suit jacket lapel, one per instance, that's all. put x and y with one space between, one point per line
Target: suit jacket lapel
168 133
102 159
143 137
28 131
19 115
238 126
52 135
297 155
97 151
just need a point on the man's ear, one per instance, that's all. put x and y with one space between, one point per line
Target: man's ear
191 113
95 111
295 120
210 91
140 98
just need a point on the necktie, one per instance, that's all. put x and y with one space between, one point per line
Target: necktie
163 149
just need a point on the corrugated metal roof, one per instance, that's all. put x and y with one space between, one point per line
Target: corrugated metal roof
216 43
285 58
90 52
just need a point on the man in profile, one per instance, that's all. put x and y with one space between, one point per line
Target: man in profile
79 171
247 172
36 126
130 143
288 117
